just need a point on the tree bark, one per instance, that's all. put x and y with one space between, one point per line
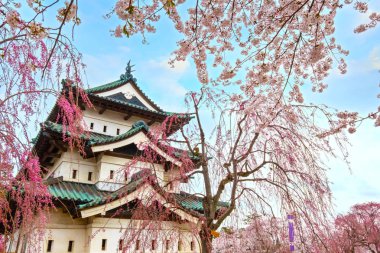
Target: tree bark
206 239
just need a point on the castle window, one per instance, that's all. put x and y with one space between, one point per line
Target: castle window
111 174
104 129
49 246
192 245
70 248
91 125
118 131
121 242
104 244
137 244
75 172
167 245
125 176
179 246
89 176
154 244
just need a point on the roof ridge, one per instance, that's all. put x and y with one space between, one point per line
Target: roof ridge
106 86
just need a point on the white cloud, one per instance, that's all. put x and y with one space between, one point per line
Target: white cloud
103 68
165 80
374 58
158 79
178 67
362 184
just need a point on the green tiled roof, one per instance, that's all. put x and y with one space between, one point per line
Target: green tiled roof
125 103
88 195
191 202
118 83
106 86
96 138
125 190
77 192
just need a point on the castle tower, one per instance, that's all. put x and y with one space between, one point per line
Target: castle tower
101 206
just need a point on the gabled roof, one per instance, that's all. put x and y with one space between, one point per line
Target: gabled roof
125 105
86 196
132 100
126 78
129 105
118 83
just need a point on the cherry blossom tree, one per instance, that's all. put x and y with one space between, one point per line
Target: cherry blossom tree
263 156
260 235
266 143
285 43
359 230
35 54
266 156
265 148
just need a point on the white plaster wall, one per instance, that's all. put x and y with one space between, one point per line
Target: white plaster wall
66 170
62 229
105 169
111 119
100 169
61 237
87 235
70 161
108 163
88 238
172 176
115 229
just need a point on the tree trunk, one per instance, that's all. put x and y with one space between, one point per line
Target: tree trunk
206 239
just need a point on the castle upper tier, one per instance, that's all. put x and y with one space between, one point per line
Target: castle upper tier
101 206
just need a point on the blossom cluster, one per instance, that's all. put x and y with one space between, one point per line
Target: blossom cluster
32 59
284 44
68 13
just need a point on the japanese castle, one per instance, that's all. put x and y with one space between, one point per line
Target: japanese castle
101 207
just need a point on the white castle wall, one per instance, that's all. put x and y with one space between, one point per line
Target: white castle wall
71 160
111 119
88 234
101 167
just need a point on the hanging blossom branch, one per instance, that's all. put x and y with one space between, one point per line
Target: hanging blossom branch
287 43
266 161
33 57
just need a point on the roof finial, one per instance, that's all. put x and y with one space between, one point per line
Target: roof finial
128 73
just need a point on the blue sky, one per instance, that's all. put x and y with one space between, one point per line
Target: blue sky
106 58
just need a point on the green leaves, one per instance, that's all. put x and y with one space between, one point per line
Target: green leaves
169 5
125 30
130 9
